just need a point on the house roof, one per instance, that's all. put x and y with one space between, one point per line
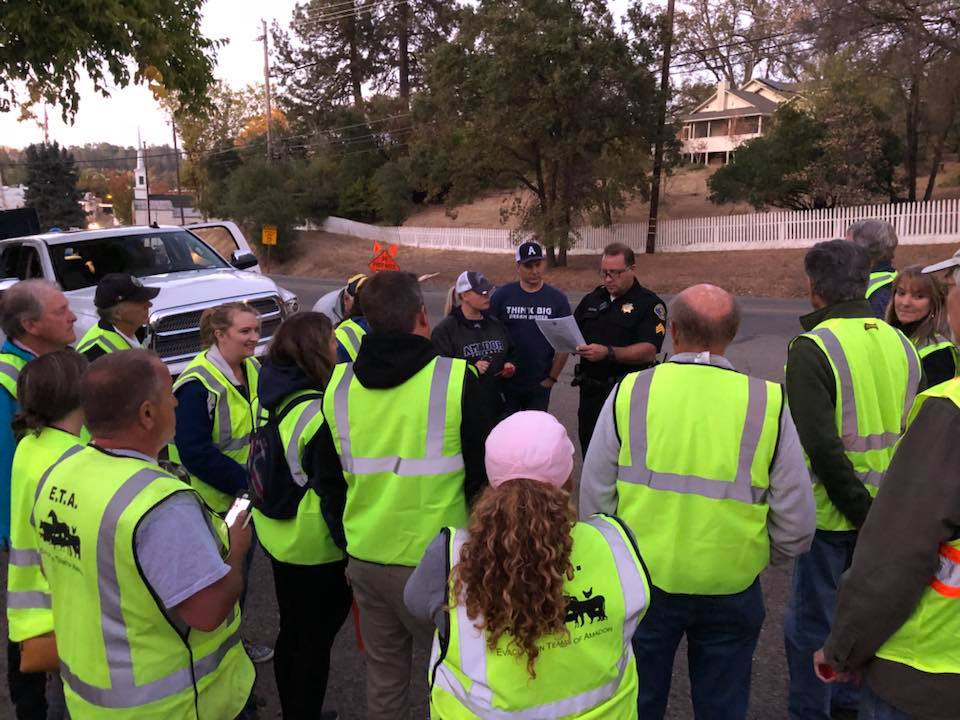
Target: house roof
720 114
761 103
779 85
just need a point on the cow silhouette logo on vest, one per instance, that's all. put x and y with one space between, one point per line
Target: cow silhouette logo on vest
592 606
59 533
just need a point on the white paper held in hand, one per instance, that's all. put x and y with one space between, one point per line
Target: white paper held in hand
563 334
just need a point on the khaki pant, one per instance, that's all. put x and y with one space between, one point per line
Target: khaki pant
389 633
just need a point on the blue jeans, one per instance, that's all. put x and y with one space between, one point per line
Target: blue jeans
722 632
806 626
873 707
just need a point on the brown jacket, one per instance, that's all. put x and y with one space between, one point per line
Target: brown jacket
917 509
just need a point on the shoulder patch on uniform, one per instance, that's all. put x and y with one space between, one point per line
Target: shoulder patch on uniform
660 311
661 330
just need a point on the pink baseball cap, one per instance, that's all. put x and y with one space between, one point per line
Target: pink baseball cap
529 444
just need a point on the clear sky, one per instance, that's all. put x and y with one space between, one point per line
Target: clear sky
117 119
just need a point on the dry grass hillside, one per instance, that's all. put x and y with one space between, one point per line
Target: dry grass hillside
762 273
685 195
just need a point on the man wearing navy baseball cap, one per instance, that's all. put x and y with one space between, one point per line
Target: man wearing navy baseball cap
123 304
517 305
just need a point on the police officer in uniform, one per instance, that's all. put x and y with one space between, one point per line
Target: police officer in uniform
624 325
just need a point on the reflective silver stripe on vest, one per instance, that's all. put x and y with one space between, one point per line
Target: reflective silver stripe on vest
226 440
948 571
473 647
849 433
104 340
43 478
292 451
10 370
123 691
29 600
435 462
352 338
24 558
741 489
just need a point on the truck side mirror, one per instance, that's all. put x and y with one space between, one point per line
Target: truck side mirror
243 259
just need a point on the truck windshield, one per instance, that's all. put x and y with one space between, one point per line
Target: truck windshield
82 263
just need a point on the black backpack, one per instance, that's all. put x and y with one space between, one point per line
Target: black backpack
272 488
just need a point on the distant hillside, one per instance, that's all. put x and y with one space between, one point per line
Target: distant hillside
685 195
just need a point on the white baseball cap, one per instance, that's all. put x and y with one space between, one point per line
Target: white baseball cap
944 264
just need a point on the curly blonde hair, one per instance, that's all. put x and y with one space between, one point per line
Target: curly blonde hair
512 568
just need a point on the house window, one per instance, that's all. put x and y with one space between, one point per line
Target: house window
700 129
747 125
686 132
719 128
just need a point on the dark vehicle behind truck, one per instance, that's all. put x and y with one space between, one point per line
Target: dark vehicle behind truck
19 222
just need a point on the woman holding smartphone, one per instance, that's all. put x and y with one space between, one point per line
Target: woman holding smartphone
308 567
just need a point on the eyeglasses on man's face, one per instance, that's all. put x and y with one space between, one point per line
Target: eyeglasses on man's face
612 274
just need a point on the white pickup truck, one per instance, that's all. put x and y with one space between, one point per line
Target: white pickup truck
195 267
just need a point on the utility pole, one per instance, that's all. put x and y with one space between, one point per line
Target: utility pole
661 124
176 157
266 85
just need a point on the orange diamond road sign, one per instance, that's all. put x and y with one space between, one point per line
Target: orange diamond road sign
269 235
383 261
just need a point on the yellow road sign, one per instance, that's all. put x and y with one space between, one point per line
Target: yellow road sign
269 235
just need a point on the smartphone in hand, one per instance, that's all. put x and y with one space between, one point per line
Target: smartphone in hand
241 504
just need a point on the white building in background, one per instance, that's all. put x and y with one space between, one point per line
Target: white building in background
11 196
164 208
714 131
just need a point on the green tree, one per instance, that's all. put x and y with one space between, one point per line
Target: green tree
46 44
120 193
844 156
393 191
531 95
52 187
258 193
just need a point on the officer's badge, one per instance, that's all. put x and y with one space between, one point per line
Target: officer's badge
627 308
660 311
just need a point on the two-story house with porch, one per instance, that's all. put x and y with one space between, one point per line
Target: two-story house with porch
712 132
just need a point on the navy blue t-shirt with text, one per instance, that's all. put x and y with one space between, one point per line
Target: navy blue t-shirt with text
516 309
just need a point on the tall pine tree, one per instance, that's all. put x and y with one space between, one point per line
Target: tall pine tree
52 187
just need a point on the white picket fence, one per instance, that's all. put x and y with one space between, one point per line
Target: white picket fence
937 221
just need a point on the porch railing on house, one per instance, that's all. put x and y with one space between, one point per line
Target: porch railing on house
937 221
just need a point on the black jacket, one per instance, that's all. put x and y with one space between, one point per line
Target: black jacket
474 340
385 361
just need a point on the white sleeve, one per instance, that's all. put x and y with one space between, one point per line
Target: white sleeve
598 479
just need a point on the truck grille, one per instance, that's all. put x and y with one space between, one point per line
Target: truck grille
177 337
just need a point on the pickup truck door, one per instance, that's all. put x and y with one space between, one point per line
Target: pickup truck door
224 237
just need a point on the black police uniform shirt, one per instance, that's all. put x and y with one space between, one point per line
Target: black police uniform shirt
637 316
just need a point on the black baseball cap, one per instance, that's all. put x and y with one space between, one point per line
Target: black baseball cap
529 252
115 288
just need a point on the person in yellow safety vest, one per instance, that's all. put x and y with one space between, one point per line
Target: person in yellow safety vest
217 404
48 424
918 310
879 239
898 611
406 457
704 465
123 304
313 596
351 329
217 409
36 319
144 580
534 611
850 381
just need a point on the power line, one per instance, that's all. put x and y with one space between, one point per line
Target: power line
314 23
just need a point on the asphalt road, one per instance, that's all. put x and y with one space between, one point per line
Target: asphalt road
760 349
